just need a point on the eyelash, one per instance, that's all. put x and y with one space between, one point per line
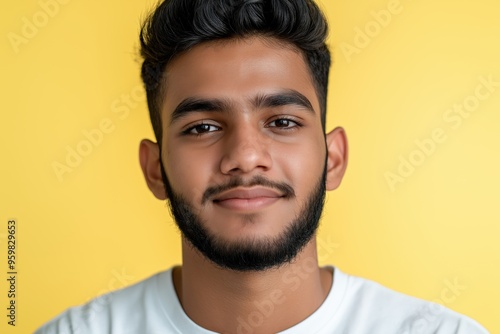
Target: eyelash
289 119
295 125
189 130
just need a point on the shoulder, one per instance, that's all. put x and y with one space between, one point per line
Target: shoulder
371 302
113 312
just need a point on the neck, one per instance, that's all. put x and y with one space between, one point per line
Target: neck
266 301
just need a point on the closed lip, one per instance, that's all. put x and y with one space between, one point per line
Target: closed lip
250 193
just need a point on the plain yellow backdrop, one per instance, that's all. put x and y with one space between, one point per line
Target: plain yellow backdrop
417 210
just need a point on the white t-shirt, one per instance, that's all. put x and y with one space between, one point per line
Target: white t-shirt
354 305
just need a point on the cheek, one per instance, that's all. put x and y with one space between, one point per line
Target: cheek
189 171
302 164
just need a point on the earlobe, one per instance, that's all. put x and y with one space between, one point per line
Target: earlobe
337 150
149 158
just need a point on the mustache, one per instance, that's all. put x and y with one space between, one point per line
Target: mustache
258 180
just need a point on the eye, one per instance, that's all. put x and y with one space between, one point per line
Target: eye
284 123
201 129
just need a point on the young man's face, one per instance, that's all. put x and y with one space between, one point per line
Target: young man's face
244 151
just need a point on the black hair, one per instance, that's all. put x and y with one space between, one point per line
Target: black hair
175 26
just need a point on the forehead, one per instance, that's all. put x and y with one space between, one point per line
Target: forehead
237 70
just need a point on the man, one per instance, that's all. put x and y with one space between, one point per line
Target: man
237 97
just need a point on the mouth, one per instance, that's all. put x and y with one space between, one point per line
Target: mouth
247 199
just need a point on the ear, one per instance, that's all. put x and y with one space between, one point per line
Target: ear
336 143
149 157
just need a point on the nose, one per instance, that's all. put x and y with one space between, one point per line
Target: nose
246 150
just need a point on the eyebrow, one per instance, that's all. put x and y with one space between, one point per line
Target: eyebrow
274 100
283 98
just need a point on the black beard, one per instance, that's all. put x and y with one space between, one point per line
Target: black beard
255 255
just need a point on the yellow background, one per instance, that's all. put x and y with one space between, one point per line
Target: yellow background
100 228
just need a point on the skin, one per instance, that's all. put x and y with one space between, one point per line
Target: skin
243 139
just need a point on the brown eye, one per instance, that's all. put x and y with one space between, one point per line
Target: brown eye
202 128
283 123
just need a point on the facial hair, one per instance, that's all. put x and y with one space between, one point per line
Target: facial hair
252 255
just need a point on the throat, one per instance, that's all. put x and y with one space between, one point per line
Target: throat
222 300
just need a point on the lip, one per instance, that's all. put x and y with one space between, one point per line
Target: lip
242 199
